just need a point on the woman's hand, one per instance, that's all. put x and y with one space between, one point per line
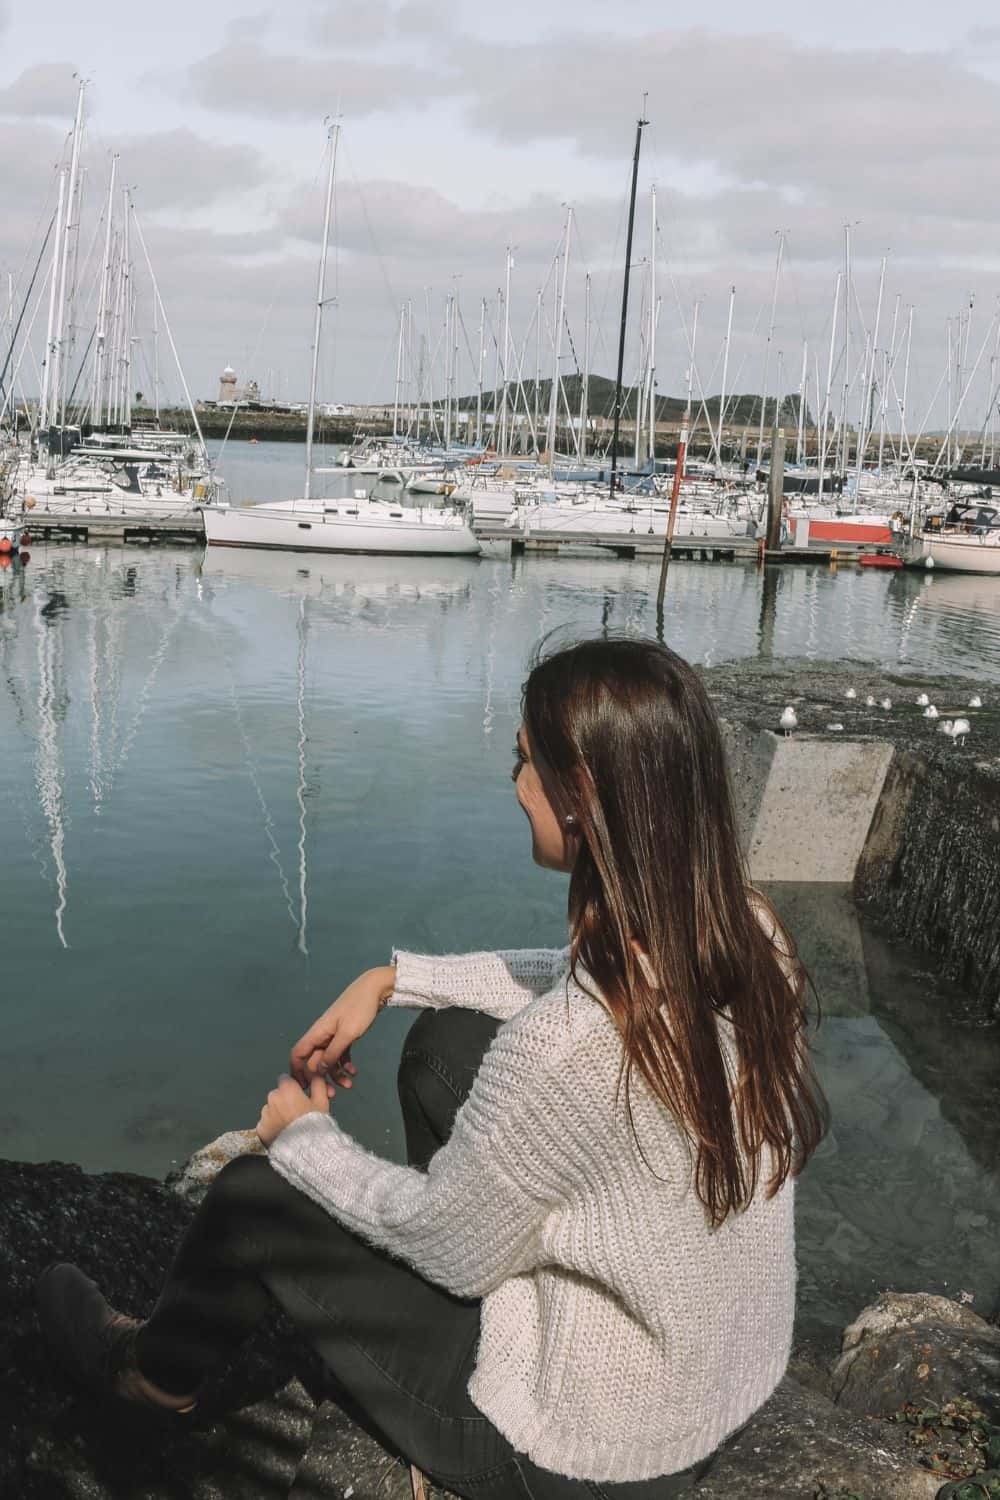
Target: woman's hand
286 1103
325 1049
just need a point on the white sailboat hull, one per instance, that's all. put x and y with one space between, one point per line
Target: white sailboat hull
318 528
964 554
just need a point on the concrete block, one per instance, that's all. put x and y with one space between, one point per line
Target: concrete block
805 805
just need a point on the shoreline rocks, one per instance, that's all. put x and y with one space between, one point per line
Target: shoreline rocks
268 1427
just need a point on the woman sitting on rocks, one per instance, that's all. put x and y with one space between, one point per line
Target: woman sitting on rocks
584 1281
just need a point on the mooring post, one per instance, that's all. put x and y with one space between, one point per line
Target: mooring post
775 489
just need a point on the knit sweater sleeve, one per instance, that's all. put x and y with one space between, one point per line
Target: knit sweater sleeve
501 984
474 1218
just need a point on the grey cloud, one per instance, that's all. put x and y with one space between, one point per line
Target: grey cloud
983 39
347 24
178 168
844 127
244 78
46 89
425 17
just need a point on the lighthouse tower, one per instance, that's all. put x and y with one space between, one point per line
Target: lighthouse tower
227 387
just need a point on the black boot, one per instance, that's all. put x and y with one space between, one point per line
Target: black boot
94 1344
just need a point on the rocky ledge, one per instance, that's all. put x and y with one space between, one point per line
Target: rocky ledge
908 1411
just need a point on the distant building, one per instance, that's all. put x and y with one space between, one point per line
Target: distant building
230 393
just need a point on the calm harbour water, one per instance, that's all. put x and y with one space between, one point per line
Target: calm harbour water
229 782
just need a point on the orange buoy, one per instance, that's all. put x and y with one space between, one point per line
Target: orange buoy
6 545
5 561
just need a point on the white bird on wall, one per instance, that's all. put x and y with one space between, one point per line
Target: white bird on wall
930 712
789 720
975 701
923 700
869 701
946 727
850 693
886 703
960 729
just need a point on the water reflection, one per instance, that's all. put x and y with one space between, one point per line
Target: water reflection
905 1190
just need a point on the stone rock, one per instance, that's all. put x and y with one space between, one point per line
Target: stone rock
799 1445
192 1181
344 1461
268 1429
910 1346
254 1425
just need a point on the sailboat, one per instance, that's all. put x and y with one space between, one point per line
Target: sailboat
360 524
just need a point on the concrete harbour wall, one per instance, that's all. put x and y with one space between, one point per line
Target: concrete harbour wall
904 814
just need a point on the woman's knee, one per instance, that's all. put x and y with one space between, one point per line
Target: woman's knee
244 1183
445 1048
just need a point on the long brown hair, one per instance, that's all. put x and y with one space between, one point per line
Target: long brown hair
626 730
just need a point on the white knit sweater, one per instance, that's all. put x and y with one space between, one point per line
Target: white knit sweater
621 1337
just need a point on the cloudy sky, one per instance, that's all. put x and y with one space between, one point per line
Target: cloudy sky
468 128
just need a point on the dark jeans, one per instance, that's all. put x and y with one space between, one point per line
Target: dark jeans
401 1349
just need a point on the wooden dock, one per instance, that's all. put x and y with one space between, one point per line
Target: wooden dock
80 526
642 545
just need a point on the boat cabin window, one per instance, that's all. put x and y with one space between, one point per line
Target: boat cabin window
305 526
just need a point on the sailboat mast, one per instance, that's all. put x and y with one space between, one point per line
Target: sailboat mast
504 434
399 373
557 346
725 371
866 423
482 355
829 388
127 319
767 350
332 136
59 373
585 383
800 436
617 412
45 413
97 394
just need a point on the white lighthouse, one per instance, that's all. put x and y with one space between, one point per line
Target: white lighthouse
227 387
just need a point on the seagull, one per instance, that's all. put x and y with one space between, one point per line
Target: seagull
923 700
886 703
869 701
975 701
960 729
930 712
850 693
946 727
789 720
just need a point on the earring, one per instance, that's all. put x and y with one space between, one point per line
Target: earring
569 820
